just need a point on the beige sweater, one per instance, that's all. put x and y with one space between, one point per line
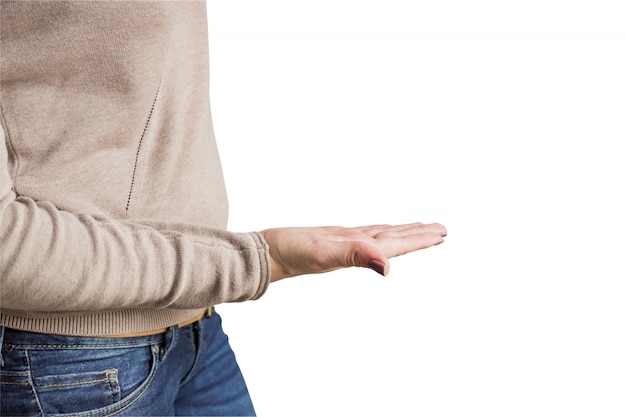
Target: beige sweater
112 202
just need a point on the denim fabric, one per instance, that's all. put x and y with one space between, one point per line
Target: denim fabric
186 371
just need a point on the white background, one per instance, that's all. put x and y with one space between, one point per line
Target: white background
503 120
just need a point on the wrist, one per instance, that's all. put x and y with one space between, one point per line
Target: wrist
276 271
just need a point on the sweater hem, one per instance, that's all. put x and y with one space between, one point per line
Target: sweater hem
96 324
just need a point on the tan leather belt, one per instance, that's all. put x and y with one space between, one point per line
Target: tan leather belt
206 313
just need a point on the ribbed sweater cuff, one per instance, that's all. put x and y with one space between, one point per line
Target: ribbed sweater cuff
264 259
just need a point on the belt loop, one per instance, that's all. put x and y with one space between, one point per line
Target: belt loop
173 339
198 325
1 345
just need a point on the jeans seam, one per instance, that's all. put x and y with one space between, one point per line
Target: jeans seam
83 346
13 374
197 335
71 384
31 384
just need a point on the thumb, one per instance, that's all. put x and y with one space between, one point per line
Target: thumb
365 256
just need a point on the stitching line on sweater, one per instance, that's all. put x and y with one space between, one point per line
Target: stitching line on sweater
143 135
10 148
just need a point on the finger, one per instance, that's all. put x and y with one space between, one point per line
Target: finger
423 228
362 254
384 228
372 229
415 228
396 246
441 228
406 226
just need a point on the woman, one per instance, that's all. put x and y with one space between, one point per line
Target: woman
113 217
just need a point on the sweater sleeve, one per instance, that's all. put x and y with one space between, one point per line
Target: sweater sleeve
53 260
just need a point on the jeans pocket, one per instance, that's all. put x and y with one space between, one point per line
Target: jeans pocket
90 381
76 392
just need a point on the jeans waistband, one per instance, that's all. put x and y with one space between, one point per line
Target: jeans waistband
1 344
19 339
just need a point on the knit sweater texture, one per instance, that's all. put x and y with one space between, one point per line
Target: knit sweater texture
113 208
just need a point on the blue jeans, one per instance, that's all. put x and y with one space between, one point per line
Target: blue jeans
186 371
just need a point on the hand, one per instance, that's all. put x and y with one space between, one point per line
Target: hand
312 250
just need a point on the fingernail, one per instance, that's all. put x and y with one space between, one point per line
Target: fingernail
439 242
377 266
